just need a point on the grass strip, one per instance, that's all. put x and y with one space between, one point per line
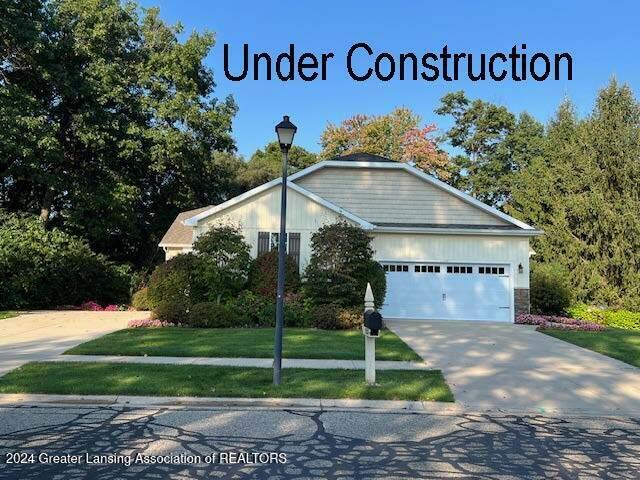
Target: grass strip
616 343
244 342
96 378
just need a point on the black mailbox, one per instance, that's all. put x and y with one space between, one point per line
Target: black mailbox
373 321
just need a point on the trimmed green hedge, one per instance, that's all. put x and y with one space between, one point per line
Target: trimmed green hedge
611 318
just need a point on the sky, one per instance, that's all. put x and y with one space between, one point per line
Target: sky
602 40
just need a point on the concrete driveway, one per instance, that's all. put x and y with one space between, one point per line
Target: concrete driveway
513 367
34 336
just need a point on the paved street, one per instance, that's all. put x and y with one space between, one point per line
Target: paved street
328 444
42 335
506 366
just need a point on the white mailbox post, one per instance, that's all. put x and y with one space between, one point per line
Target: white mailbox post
369 340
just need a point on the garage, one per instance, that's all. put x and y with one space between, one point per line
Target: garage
448 291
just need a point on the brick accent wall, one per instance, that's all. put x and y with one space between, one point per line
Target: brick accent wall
521 301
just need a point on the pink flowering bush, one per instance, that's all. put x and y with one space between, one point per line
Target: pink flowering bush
91 306
150 323
558 323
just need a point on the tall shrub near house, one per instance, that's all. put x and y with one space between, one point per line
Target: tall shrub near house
176 281
263 275
340 266
224 261
550 289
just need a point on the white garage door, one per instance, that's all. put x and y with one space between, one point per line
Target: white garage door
447 292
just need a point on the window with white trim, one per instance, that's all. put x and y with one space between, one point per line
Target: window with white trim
491 270
460 269
426 268
394 267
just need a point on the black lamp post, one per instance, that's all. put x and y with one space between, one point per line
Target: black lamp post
286 131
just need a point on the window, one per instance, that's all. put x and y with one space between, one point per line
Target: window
263 242
269 241
396 268
458 269
275 240
426 269
488 270
294 247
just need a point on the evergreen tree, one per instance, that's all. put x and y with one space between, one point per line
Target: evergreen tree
584 192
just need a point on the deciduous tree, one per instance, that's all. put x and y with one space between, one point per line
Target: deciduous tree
398 135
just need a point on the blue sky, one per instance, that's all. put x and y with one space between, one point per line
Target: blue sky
602 40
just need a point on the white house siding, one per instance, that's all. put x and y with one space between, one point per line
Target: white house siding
403 247
261 213
170 252
393 196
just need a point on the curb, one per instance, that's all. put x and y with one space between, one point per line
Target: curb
320 364
399 406
13 399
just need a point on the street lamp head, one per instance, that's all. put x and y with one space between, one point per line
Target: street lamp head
286 131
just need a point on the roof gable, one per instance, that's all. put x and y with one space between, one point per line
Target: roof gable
458 200
180 234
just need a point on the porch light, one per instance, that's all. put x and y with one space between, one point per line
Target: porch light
520 268
286 131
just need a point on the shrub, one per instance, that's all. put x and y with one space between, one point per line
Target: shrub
550 291
250 307
375 275
263 275
335 317
612 318
296 315
340 266
213 315
44 267
140 300
177 280
175 310
559 323
149 323
224 262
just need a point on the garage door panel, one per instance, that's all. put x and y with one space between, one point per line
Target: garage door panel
447 296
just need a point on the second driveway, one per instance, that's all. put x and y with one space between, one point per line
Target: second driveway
513 367
34 336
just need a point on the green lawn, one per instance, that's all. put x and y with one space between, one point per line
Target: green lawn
613 342
244 342
205 381
7 314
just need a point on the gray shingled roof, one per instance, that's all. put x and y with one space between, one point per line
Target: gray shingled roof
179 234
362 157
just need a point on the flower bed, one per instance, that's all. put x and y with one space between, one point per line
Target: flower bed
558 323
150 323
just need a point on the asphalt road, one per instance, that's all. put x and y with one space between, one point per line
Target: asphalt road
317 444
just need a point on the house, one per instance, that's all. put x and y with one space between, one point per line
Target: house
447 255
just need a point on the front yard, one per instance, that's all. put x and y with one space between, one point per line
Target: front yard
204 381
244 342
620 344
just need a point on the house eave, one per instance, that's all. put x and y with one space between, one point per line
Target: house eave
461 231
